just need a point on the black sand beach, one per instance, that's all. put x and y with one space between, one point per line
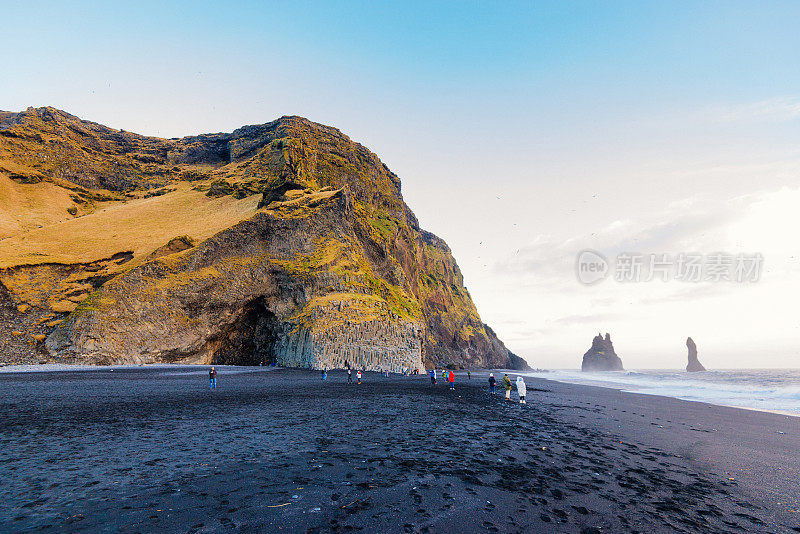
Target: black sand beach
153 450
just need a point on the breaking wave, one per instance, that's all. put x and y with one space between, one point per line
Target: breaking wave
773 390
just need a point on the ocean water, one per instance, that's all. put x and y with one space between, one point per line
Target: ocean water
773 390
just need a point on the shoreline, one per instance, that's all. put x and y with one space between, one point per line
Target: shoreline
626 388
642 389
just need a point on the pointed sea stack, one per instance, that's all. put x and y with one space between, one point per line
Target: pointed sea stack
694 364
601 357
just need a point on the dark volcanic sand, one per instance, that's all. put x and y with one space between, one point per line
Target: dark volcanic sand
153 450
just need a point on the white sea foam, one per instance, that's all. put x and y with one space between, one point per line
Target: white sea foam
774 390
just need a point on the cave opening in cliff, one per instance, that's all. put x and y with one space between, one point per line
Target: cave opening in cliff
252 338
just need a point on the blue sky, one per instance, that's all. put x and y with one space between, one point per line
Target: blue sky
517 128
319 58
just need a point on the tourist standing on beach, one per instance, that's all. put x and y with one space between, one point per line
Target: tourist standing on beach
521 389
324 375
469 375
358 376
433 376
492 383
349 375
452 379
212 379
507 386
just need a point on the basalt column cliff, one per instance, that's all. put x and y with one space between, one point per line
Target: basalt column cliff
284 242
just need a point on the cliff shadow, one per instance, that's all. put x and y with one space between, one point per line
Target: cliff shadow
252 338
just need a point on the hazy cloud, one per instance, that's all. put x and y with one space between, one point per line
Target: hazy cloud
691 292
679 228
773 109
585 319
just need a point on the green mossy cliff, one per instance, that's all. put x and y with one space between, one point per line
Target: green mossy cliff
282 242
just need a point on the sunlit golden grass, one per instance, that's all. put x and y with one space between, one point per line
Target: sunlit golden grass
29 206
139 226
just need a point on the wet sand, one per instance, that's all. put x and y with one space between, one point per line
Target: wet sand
153 450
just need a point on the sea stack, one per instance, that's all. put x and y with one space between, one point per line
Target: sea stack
694 364
601 357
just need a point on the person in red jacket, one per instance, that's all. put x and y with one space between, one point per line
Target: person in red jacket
451 377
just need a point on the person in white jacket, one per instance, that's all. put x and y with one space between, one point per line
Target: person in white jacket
521 389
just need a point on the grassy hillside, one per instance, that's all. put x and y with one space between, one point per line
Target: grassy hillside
82 205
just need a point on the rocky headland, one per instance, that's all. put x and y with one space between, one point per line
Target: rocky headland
283 243
601 356
694 364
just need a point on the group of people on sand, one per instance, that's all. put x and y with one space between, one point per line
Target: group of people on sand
449 376
522 389
350 375
324 374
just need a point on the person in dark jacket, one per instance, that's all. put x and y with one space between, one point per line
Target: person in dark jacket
492 383
349 375
212 379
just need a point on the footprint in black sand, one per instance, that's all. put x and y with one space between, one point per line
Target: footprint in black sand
750 518
488 525
561 514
